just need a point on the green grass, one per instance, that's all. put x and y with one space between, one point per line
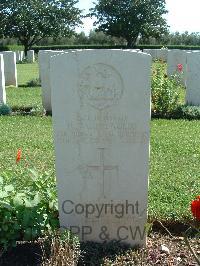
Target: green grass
175 159
27 72
33 135
175 152
25 96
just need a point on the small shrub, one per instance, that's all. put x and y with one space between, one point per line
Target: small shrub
187 112
5 109
27 210
165 93
33 83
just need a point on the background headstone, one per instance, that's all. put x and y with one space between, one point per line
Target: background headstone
101 116
2 82
176 57
31 56
10 68
22 55
157 54
151 52
18 56
44 72
161 54
193 79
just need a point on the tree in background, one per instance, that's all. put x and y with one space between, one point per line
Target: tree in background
176 38
32 20
100 38
130 19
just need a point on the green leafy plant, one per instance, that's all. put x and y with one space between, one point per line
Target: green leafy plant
165 93
27 211
5 109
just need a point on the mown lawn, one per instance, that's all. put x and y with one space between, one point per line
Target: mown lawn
27 72
25 96
175 152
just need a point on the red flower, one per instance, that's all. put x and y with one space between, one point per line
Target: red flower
19 155
195 208
180 67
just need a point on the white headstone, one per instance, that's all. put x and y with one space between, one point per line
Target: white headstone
193 79
101 117
18 56
31 56
44 70
161 54
22 55
2 82
152 52
10 68
157 54
44 73
176 57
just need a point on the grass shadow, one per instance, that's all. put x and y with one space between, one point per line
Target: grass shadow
93 253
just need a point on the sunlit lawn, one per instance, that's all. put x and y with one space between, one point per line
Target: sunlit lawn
175 151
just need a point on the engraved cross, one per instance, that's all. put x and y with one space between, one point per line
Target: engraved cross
102 167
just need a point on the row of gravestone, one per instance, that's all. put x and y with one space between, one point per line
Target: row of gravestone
8 69
173 58
20 56
188 76
101 119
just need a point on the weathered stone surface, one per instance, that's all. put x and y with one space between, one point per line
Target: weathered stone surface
157 54
176 57
44 72
193 79
101 116
10 68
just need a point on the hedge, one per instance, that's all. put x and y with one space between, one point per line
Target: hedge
65 47
141 47
181 112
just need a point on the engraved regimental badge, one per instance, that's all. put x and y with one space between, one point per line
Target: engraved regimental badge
100 86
